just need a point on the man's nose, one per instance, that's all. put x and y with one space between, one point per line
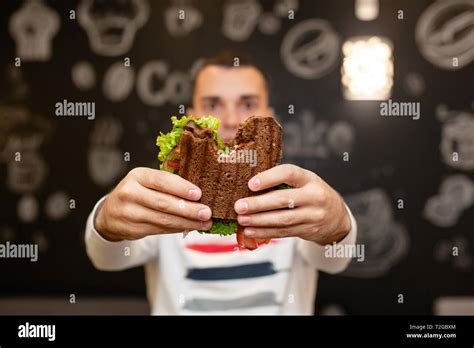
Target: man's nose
231 119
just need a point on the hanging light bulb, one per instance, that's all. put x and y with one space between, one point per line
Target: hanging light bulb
366 10
367 69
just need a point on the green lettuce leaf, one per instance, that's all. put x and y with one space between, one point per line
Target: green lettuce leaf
167 142
222 227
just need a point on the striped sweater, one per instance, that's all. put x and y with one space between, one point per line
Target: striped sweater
210 274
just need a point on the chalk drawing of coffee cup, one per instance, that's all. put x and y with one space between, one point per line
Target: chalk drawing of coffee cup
457 137
240 19
105 160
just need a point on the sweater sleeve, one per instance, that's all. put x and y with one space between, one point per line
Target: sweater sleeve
116 256
314 253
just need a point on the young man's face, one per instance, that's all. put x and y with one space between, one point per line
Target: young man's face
232 95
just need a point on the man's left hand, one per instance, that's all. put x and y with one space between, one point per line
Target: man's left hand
311 210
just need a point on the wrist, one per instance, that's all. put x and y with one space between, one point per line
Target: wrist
101 227
342 229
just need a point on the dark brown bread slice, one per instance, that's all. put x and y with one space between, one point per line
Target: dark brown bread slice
222 184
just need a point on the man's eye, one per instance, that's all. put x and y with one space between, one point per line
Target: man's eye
211 106
249 105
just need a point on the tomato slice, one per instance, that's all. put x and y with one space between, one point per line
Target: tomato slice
173 164
244 241
263 241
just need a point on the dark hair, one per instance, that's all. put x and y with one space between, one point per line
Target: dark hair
228 59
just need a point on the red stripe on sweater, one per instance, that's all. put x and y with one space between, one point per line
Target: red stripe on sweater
212 248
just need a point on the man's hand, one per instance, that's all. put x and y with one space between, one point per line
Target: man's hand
149 201
311 210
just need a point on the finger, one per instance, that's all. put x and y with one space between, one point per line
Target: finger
172 205
142 230
278 199
282 174
246 242
276 218
129 230
272 232
164 181
167 222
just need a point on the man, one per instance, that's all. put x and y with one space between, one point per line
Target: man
137 223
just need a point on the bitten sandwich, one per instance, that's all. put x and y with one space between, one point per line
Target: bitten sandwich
194 151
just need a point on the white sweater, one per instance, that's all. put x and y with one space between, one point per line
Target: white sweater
209 274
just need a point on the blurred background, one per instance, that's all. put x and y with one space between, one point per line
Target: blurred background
408 180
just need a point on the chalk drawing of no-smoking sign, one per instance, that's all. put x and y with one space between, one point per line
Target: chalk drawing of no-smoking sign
445 33
112 25
33 27
386 241
310 49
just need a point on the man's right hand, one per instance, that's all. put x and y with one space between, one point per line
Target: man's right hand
149 201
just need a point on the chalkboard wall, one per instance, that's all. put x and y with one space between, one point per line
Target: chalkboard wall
409 182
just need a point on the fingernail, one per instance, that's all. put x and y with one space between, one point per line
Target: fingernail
194 193
206 225
204 214
241 206
244 220
255 183
249 232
